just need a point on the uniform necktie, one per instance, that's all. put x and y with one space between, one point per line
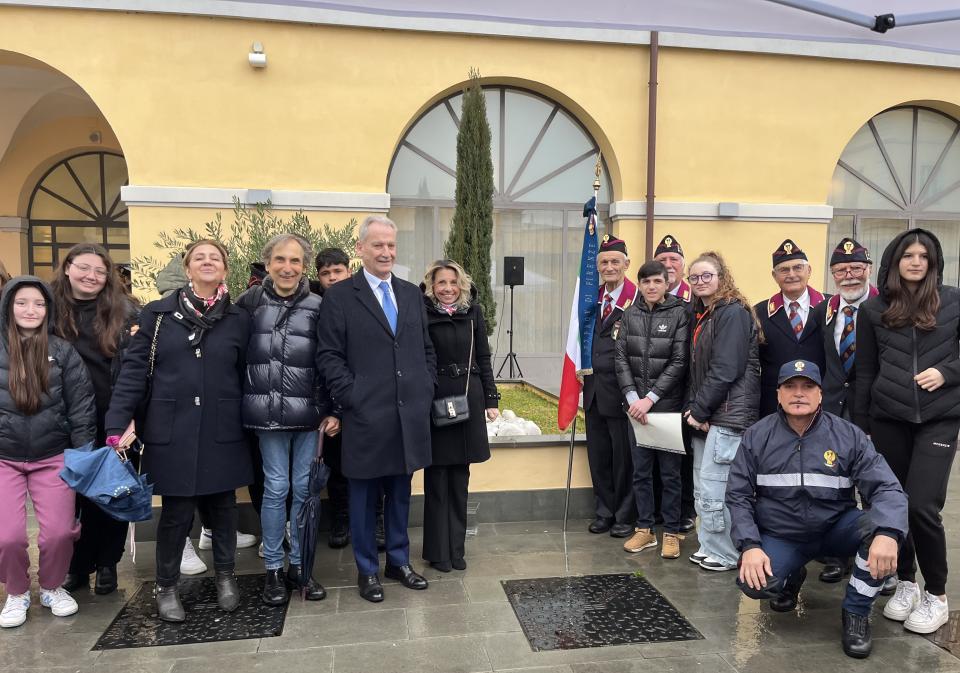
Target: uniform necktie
795 320
607 307
389 309
848 339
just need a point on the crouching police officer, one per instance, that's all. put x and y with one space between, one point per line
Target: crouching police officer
791 499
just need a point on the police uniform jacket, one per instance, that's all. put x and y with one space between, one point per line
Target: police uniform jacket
601 388
796 487
780 344
839 387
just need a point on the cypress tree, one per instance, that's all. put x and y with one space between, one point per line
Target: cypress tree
471 232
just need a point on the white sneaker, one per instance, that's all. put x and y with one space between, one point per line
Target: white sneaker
710 563
904 601
245 540
930 615
697 558
260 551
206 539
15 610
59 601
190 563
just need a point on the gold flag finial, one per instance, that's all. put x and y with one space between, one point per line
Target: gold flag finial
598 169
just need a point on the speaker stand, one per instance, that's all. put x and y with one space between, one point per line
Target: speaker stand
511 356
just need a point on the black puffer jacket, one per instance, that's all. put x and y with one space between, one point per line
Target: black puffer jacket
67 415
652 350
889 358
724 383
282 389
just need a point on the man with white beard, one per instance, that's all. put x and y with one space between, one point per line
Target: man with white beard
850 265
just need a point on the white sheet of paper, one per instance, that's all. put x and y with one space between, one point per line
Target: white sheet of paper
663 432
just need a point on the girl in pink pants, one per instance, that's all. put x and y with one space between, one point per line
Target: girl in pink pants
46 406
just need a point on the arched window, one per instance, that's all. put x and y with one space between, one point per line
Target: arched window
78 201
543 163
900 170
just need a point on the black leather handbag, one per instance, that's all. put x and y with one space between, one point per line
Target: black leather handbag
454 409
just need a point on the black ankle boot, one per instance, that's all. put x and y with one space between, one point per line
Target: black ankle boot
274 588
228 591
106 582
169 607
787 600
313 591
339 534
856 639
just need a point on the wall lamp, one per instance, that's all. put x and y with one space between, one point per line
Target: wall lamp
256 57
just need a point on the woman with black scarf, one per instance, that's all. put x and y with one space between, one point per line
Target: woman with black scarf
185 368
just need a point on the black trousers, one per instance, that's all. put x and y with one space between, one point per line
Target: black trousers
101 539
176 518
668 467
920 456
687 509
445 512
338 487
609 442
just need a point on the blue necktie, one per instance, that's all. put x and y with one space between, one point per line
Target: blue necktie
388 308
848 339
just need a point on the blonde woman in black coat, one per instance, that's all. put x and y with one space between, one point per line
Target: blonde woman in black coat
454 322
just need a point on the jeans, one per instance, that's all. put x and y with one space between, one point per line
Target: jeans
644 460
712 455
850 534
276 449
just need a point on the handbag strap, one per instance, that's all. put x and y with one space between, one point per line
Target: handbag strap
469 361
153 345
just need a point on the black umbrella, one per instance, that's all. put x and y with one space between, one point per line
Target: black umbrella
308 518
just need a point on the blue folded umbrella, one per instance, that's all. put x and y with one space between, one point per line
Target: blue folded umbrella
109 481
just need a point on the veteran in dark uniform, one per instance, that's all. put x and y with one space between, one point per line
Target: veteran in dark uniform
788 332
670 253
609 437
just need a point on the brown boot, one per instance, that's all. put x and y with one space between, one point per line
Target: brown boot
643 538
671 545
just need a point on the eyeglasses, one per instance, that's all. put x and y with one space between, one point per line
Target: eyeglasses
854 271
787 270
701 278
99 272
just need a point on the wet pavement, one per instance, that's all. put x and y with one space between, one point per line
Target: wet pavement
464 622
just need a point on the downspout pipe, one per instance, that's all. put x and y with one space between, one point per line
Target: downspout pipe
652 140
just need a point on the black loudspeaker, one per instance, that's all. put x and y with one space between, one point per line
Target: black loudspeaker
513 271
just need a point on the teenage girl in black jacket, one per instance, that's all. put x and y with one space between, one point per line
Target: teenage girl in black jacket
909 402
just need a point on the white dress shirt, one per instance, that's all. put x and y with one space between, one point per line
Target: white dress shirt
614 295
839 318
377 291
804 301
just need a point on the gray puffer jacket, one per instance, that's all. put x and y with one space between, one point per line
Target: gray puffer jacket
652 349
67 415
282 389
724 382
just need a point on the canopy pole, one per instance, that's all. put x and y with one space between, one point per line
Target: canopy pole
922 18
652 141
830 11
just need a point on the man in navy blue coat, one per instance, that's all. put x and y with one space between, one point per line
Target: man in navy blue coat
380 368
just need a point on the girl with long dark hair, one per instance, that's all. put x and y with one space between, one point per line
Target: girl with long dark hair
46 406
95 314
909 402
191 347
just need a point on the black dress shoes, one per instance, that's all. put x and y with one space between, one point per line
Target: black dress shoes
106 582
442 566
621 530
74 581
600 525
370 588
856 639
313 591
787 600
274 588
228 591
458 564
169 607
339 534
407 576
687 524
834 570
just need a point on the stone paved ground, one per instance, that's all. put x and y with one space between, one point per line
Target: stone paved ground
464 623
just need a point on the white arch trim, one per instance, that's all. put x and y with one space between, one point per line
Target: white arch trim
219 197
724 210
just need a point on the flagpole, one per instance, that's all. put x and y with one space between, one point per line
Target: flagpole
573 428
